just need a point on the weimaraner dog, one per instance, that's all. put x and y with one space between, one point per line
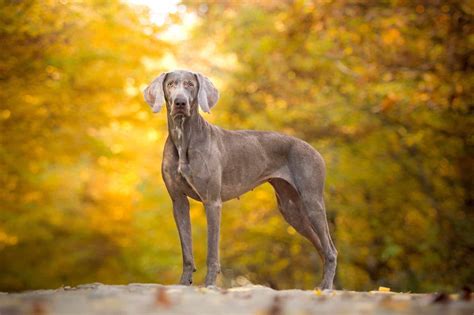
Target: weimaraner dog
212 165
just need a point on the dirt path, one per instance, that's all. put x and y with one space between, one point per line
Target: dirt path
158 299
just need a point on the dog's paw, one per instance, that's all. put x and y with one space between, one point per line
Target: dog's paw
324 285
186 279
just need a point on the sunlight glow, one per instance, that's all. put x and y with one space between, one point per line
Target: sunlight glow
159 12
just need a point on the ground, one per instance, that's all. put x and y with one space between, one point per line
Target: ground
159 299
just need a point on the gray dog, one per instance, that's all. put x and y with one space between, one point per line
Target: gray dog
212 165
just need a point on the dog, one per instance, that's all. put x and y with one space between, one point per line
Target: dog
212 165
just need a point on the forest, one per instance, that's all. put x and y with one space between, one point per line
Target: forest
382 89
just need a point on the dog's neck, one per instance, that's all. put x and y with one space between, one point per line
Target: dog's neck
183 130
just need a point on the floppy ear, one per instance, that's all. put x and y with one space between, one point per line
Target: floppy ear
154 94
207 93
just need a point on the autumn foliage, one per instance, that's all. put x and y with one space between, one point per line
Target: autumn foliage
382 89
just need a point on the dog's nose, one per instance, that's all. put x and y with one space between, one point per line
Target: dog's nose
180 102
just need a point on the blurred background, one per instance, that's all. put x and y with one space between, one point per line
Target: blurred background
383 89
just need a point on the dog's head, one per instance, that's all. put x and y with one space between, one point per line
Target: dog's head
182 90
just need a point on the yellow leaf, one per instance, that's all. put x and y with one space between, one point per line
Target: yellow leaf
384 289
391 36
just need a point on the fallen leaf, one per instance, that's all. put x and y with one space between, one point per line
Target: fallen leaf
38 308
162 298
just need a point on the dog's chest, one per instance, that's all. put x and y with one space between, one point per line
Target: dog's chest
179 140
177 132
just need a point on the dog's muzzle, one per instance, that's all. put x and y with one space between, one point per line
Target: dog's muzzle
180 106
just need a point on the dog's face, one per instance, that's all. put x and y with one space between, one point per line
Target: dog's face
182 90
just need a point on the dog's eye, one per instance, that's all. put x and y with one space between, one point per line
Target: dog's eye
170 84
188 84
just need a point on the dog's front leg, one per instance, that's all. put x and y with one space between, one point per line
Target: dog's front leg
183 222
213 215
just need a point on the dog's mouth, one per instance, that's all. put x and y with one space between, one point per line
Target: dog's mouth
180 112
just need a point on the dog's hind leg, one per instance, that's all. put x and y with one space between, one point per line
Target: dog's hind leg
316 215
289 204
308 173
